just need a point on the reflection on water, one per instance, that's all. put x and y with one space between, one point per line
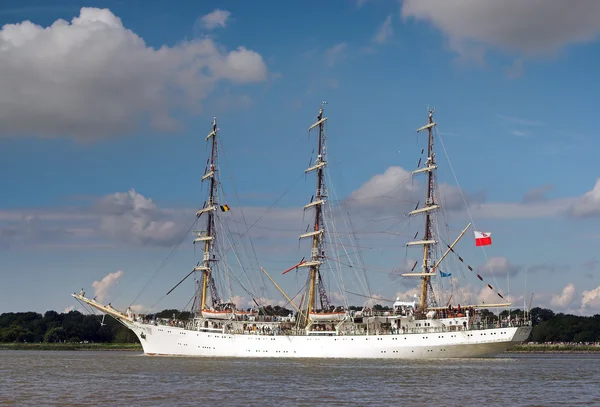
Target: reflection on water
46 378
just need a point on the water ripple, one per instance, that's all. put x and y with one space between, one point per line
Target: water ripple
46 378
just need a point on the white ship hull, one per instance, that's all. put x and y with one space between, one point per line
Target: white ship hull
174 341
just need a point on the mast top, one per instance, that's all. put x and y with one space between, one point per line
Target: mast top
323 103
430 123
320 118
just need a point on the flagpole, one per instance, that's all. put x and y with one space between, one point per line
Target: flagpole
451 246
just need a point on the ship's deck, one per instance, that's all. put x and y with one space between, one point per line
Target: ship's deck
270 326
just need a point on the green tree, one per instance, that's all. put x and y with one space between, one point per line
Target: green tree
125 335
58 334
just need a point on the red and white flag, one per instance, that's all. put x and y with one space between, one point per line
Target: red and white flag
483 238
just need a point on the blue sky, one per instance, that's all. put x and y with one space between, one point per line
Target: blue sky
98 99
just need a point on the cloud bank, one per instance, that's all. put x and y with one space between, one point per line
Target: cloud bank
132 218
529 28
93 77
518 29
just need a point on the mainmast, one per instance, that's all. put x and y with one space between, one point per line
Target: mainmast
317 254
428 240
208 236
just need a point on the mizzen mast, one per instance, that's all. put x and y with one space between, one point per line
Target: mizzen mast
317 234
428 240
208 236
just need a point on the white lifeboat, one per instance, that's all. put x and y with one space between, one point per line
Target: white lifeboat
327 316
213 314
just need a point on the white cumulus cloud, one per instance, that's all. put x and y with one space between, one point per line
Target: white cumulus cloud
565 298
93 77
588 205
214 19
101 287
131 217
590 301
393 183
531 27
397 191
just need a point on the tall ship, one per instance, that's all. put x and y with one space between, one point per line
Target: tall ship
427 325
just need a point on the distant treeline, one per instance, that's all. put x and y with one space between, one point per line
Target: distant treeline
551 327
74 326
67 327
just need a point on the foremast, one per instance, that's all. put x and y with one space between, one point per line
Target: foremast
429 241
315 282
208 235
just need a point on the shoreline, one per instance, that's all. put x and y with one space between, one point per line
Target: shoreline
72 346
553 348
136 347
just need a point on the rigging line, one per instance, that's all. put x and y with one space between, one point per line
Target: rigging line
224 276
363 280
330 208
455 260
352 246
165 261
185 306
386 218
473 271
233 247
241 266
439 224
436 249
370 297
292 298
296 230
400 222
91 310
370 198
465 202
340 279
180 311
188 303
358 254
268 209
336 259
124 284
370 268
252 296
238 199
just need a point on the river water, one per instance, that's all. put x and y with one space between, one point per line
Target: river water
88 378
